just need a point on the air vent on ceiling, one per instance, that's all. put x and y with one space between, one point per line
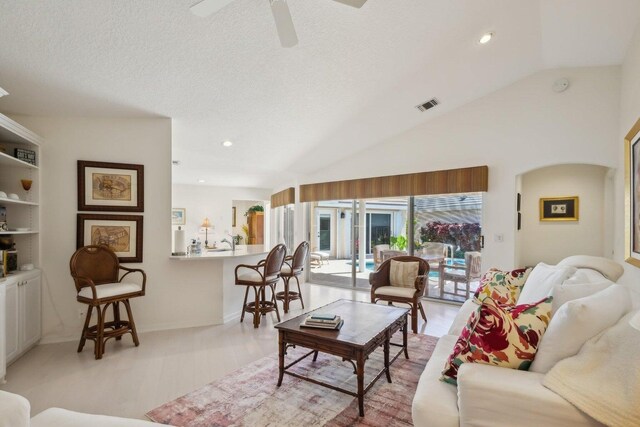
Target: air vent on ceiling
427 105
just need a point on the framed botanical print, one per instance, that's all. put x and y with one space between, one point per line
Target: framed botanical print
559 208
121 233
110 187
632 195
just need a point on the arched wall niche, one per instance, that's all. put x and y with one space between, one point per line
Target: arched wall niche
551 241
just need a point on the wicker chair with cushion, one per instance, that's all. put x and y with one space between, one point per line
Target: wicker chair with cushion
292 268
402 280
95 271
258 277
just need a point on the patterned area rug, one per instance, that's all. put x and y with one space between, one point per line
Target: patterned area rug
250 397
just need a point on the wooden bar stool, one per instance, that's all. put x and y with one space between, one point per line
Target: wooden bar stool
292 268
259 277
95 271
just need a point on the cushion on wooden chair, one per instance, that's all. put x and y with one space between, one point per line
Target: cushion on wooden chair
395 291
403 274
109 290
286 269
249 275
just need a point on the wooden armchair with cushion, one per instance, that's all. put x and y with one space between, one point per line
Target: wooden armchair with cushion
401 279
95 271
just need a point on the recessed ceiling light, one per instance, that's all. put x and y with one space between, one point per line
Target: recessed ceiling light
486 38
201 181
227 144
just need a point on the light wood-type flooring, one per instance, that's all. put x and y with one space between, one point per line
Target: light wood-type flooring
130 381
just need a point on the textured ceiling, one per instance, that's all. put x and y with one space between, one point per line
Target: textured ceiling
352 81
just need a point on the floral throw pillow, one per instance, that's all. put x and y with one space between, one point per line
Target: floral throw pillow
500 336
503 287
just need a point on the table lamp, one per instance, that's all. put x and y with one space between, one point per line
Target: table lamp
206 224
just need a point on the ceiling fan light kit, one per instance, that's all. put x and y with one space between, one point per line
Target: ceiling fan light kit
281 15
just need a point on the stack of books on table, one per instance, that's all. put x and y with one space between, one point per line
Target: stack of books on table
322 321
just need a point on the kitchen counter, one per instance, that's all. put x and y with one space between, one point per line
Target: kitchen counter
217 274
208 254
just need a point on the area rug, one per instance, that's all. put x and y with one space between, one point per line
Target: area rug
250 397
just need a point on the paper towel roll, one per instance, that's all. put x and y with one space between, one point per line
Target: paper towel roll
179 244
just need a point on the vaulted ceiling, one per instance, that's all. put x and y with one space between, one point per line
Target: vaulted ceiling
352 81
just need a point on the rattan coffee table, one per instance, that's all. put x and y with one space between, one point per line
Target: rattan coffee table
366 327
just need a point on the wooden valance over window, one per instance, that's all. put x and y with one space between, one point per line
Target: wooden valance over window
284 197
465 180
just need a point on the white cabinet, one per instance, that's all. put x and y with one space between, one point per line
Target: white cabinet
12 323
23 313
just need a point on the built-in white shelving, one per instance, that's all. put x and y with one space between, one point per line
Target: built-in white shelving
20 291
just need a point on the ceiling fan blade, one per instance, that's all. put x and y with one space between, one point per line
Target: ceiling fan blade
208 7
284 23
354 3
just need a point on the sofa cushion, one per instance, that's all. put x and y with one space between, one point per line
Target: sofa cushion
468 307
578 321
503 287
403 274
495 335
53 417
435 403
14 410
541 281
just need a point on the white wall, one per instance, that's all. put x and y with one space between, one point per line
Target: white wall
178 293
516 129
629 113
551 241
215 203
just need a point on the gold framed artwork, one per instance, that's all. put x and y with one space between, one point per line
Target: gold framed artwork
559 208
178 216
110 186
632 195
233 216
121 233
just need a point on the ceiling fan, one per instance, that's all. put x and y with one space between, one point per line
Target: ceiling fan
281 14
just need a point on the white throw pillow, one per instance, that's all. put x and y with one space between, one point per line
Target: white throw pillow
403 274
568 292
541 281
578 321
585 275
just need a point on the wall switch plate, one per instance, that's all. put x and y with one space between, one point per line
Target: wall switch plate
498 238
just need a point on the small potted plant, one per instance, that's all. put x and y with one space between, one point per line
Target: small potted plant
254 208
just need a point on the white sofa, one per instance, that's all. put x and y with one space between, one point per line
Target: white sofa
493 396
15 412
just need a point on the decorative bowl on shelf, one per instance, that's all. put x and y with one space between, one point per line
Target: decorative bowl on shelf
3 195
14 196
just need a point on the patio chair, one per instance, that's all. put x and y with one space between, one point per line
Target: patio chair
377 255
469 272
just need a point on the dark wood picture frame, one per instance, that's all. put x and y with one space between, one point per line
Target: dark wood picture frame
559 208
131 172
135 250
